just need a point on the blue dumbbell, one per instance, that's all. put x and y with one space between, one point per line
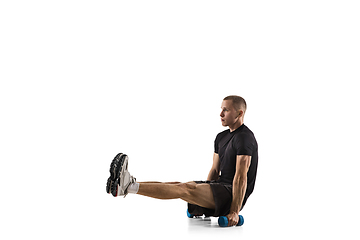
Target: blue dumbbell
223 221
189 215
193 215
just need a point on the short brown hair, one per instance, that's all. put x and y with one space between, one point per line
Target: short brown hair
238 102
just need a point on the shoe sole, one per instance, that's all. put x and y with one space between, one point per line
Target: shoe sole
116 167
120 174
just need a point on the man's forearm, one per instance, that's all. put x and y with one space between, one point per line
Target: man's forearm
213 175
239 189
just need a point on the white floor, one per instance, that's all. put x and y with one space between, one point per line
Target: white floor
106 217
73 204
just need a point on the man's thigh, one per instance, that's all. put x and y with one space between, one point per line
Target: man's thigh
200 194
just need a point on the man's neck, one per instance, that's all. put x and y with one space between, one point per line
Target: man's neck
236 126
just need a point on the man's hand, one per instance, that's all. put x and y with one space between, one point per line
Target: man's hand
233 219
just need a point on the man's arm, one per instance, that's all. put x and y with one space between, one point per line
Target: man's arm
239 187
215 169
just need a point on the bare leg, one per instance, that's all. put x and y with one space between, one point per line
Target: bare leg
198 194
162 182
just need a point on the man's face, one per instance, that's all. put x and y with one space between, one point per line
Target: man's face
228 113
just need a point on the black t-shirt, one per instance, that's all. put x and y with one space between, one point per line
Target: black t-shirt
230 144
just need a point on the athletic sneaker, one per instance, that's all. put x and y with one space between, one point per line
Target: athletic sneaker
114 166
120 178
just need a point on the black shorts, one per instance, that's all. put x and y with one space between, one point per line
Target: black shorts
222 193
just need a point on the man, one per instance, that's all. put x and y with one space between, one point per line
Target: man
225 194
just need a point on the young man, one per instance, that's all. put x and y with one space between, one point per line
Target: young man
225 194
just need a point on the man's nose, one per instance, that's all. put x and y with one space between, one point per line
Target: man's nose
222 114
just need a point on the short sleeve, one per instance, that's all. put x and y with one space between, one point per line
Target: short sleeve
244 145
216 144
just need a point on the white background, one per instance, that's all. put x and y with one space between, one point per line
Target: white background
84 80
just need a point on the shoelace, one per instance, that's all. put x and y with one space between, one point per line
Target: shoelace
133 180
